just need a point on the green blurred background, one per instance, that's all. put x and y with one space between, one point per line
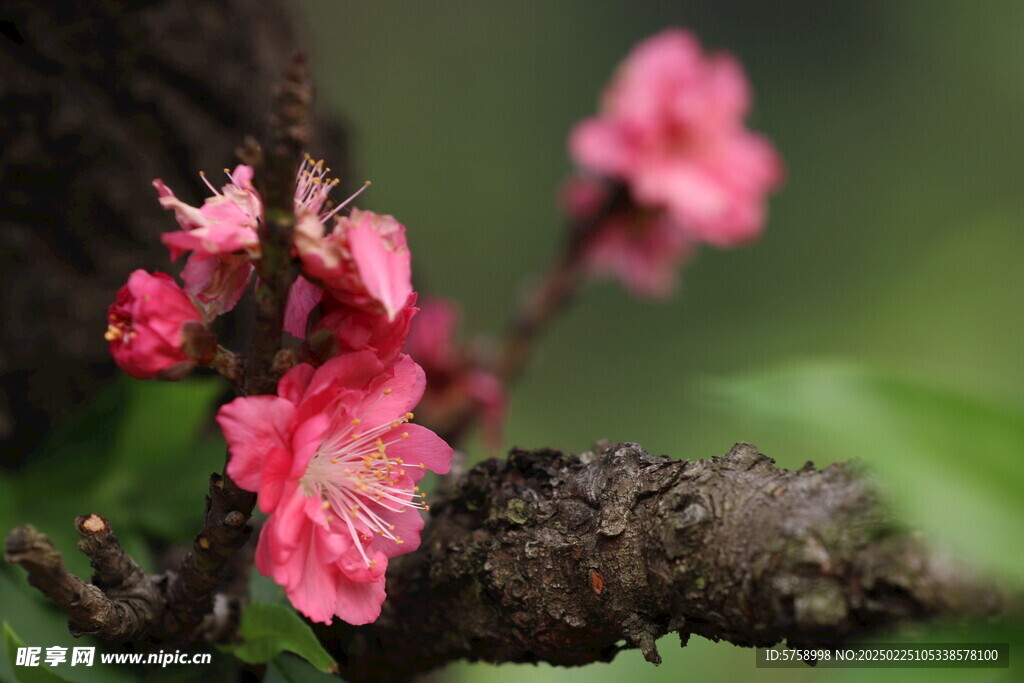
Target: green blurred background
878 318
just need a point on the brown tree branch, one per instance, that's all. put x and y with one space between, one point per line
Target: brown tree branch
190 591
557 558
120 604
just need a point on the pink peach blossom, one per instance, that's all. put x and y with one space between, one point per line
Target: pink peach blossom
672 130
363 262
144 324
335 465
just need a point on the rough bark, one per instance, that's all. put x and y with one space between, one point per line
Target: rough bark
562 558
569 559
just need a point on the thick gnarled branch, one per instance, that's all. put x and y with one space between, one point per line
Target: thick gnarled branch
122 603
557 558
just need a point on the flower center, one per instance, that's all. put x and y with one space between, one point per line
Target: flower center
359 484
312 187
119 328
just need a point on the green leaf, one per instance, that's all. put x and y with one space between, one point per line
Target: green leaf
286 668
948 463
268 630
27 674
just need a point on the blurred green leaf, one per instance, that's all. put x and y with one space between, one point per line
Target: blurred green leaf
133 454
950 464
160 439
26 674
270 629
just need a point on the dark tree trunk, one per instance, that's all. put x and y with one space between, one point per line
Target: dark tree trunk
99 98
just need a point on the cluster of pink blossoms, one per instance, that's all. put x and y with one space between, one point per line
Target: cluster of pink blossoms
670 132
332 457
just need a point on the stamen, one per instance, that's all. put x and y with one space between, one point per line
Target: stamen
356 481
345 203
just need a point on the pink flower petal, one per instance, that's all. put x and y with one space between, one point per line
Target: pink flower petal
277 466
253 425
314 594
293 385
302 298
422 446
600 146
359 603
408 526
386 273
393 393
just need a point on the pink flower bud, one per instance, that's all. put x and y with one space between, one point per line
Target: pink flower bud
144 325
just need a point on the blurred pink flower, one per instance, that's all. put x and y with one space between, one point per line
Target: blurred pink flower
363 262
144 324
335 465
431 339
672 130
453 381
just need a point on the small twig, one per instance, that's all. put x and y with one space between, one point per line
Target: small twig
190 592
120 605
552 293
114 567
